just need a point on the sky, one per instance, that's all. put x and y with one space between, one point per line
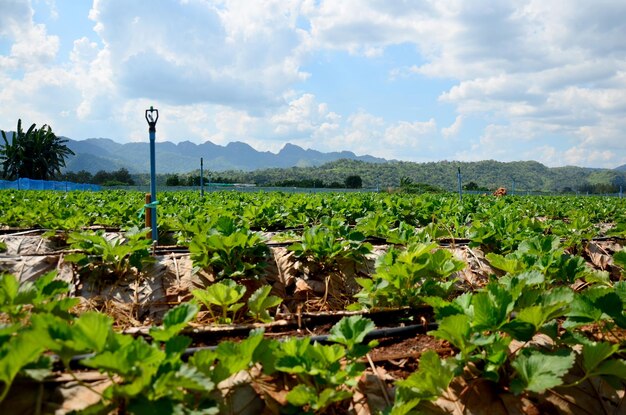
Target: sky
424 80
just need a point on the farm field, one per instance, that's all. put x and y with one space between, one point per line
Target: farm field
312 303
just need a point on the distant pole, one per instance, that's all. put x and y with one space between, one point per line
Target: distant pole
458 175
513 188
621 191
152 120
201 177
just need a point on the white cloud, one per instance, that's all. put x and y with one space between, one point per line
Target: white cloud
31 46
546 80
232 53
453 129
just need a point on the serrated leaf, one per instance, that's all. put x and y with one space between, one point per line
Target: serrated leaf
350 331
612 367
174 321
186 377
18 352
510 265
260 301
620 259
537 371
92 328
595 353
456 330
431 379
9 286
491 307
301 395
175 346
129 359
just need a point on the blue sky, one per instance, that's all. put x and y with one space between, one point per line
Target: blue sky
420 81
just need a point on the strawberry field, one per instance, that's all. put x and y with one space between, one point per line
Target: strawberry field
279 303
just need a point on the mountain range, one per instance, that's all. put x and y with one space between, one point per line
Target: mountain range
96 154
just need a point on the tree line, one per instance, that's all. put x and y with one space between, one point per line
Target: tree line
121 177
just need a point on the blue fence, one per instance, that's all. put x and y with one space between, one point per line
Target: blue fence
29 184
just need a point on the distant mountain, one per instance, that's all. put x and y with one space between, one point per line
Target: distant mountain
621 168
528 175
105 154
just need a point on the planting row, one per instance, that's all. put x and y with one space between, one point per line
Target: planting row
548 326
496 223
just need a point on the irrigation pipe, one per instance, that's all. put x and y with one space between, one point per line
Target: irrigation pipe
393 332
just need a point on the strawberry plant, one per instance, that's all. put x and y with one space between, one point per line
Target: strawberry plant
152 378
544 254
230 250
116 258
46 294
260 301
325 372
404 277
224 295
327 245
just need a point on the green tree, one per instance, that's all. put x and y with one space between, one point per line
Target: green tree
172 180
35 154
354 182
471 186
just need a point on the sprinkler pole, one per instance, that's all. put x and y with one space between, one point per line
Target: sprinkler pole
152 120
201 177
458 175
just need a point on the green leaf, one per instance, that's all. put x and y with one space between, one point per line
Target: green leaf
612 367
351 331
491 307
537 371
510 265
595 353
431 379
222 293
9 286
130 359
18 352
174 321
620 259
260 301
301 395
186 377
92 329
236 356
456 330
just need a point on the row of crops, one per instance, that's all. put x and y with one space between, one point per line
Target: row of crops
312 303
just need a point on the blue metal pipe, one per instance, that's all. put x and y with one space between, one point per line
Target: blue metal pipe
201 177
155 234
459 177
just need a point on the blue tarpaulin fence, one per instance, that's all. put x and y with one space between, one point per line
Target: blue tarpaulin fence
29 184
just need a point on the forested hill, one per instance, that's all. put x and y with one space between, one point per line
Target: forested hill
528 175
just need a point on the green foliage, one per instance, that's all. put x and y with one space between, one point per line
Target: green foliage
404 277
354 182
225 295
537 371
260 301
229 249
35 154
327 244
427 383
174 321
324 371
44 295
103 256
15 354
544 254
